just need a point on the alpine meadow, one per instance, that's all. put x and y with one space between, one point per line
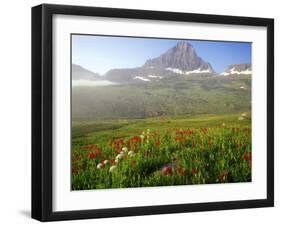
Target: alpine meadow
159 112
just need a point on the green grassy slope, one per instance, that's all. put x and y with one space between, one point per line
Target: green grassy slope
167 97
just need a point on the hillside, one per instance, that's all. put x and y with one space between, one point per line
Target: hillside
200 94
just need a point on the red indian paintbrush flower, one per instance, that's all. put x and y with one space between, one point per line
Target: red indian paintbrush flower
135 139
194 171
167 170
245 156
112 161
157 143
94 154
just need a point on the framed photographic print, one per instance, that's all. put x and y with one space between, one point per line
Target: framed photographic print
145 112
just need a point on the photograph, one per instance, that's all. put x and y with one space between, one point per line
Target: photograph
149 111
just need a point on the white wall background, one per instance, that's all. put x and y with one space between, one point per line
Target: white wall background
15 118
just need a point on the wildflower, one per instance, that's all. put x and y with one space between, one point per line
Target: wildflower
99 166
245 156
112 161
92 155
142 136
116 161
131 153
157 143
194 171
240 118
244 114
223 124
120 156
118 144
105 162
148 133
167 170
125 149
135 139
112 168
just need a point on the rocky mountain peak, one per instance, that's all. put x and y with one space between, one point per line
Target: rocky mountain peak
181 57
183 45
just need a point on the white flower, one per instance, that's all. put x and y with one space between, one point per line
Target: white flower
99 166
120 156
240 118
116 161
223 124
244 114
125 149
105 162
112 168
142 136
131 153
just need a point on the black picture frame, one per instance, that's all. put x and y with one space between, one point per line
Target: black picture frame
42 107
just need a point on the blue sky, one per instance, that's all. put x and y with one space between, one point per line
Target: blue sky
102 53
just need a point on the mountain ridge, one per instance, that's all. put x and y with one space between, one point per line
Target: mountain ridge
181 59
81 73
237 69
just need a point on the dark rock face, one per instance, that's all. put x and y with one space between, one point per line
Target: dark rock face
182 56
80 73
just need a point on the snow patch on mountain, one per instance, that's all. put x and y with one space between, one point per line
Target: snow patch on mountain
238 69
155 76
197 71
175 70
142 78
233 72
